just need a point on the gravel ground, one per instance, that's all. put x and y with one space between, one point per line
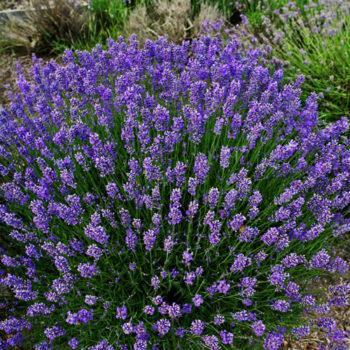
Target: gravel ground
317 338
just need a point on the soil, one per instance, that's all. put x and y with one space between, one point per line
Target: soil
8 72
317 338
8 64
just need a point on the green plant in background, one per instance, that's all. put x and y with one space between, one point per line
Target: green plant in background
108 12
105 19
309 38
226 7
108 17
174 19
258 10
324 63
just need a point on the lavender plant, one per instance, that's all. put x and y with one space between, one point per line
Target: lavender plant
309 38
174 196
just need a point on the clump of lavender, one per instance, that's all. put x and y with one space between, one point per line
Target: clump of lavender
164 197
325 17
292 21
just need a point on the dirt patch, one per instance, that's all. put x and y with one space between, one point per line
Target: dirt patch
8 64
318 339
8 72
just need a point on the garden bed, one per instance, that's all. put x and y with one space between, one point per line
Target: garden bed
315 284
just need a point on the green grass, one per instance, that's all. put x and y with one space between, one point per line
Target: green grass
225 6
106 19
255 10
324 61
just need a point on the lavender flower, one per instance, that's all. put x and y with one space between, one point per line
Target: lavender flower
171 190
197 327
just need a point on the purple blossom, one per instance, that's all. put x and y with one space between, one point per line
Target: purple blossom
187 257
94 251
128 328
54 332
121 312
96 233
281 305
169 244
244 315
163 326
87 270
211 342
197 327
219 319
82 316
237 222
102 345
90 299
201 167
73 343
186 308
320 260
300 332
180 332
197 300
213 197
174 310
258 328
149 239
222 287
226 337
149 310
240 263
225 155
273 341
39 309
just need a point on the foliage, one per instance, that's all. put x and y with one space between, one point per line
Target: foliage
106 20
226 7
311 39
174 195
170 18
317 45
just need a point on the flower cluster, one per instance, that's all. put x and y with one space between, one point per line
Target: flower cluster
167 196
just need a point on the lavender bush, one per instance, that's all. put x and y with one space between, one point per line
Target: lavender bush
175 196
309 38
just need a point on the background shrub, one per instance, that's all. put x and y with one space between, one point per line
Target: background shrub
173 19
317 45
309 38
48 26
